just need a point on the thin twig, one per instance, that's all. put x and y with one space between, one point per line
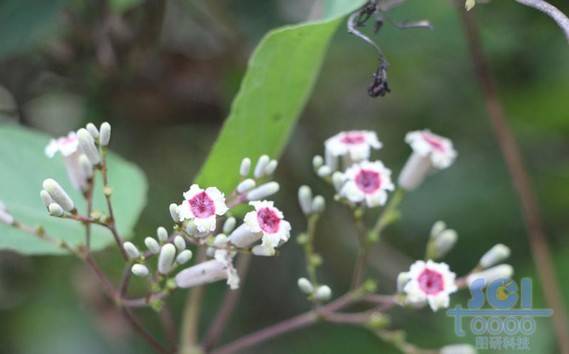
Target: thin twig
227 307
295 323
528 203
551 11
137 326
190 317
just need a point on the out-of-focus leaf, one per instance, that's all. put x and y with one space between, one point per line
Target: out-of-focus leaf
123 5
280 77
25 22
23 167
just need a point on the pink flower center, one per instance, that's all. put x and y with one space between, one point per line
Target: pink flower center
68 140
202 205
435 142
431 282
353 138
268 220
368 181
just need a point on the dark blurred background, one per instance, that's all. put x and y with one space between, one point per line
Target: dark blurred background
164 74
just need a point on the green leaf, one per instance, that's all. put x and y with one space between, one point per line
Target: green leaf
279 79
120 6
25 22
23 167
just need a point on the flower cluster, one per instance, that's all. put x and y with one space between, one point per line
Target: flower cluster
196 217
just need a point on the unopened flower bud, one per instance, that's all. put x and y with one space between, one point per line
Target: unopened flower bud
261 165
202 273
271 167
317 161
263 251
92 129
87 144
140 270
305 199
184 257
55 209
495 255
318 204
324 171
86 166
105 134
246 185
220 240
131 250
175 213
443 243
458 349
243 237
166 258
180 243
338 180
305 285
58 194
152 245
245 167
263 191
45 198
323 293
490 275
229 225
162 234
437 228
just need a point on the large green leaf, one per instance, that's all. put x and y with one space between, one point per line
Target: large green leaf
25 22
280 77
23 167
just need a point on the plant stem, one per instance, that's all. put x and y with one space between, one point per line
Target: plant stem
227 307
363 248
137 326
311 264
190 319
551 11
304 320
388 215
513 157
107 191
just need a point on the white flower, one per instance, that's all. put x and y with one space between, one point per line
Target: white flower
439 149
367 182
268 221
355 145
430 282
430 151
68 147
226 258
202 206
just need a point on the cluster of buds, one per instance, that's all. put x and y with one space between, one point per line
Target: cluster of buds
171 253
433 283
81 152
197 217
319 293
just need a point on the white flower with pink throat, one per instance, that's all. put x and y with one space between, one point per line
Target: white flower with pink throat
353 145
268 224
430 152
202 207
430 282
68 147
367 182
